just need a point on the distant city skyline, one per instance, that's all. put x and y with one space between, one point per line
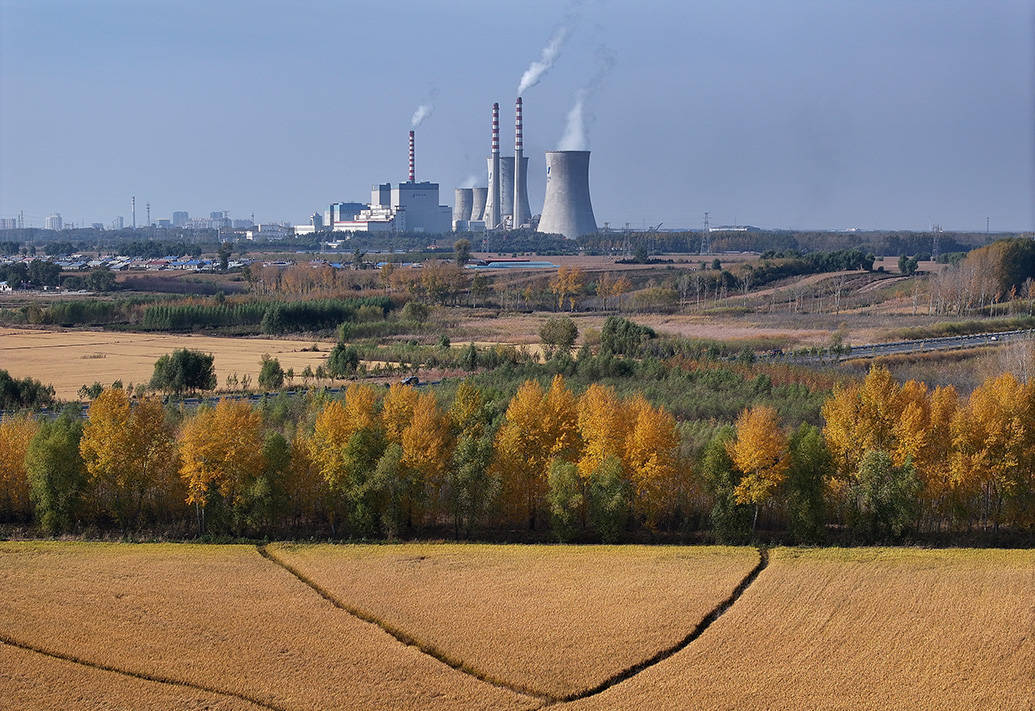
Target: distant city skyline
877 115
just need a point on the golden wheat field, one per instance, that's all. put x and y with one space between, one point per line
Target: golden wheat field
554 619
860 629
184 626
220 618
30 681
70 359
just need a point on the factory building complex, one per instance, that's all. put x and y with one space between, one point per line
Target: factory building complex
414 206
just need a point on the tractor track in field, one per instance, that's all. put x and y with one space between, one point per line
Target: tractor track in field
547 699
143 676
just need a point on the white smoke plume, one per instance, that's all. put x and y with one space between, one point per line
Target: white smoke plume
576 129
574 138
425 109
547 57
471 181
422 112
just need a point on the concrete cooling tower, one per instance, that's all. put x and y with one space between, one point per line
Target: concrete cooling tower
480 196
507 186
567 209
462 204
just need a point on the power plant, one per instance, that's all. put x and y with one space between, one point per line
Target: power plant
413 206
567 209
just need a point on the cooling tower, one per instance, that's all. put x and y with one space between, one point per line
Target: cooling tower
567 209
480 195
462 205
492 206
506 185
519 200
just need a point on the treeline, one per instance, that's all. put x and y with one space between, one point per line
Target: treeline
270 316
36 274
891 461
25 393
756 240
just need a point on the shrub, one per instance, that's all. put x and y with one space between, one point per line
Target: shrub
343 361
271 375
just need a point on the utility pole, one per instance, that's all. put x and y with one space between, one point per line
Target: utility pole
133 209
986 225
148 214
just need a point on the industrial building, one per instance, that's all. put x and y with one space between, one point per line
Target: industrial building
405 207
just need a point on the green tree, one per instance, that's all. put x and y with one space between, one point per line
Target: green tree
57 476
887 498
731 521
811 465
908 265
271 375
266 496
461 252
414 311
100 279
558 334
184 371
609 500
343 361
470 488
565 499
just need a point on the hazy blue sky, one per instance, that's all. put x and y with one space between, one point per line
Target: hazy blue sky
824 113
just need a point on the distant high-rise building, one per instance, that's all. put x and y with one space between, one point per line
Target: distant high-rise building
179 218
97 225
53 222
218 215
163 224
118 223
243 224
8 223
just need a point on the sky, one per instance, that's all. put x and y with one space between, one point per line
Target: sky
804 114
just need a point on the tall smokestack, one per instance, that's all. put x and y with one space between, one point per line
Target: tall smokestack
521 210
412 172
492 209
567 209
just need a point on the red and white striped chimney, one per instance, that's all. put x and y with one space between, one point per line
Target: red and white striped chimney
495 129
517 125
412 172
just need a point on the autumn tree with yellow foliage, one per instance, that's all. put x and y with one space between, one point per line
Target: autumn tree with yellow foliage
760 452
15 435
129 453
221 453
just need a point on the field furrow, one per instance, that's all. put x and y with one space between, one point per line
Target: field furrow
859 629
555 620
220 617
30 681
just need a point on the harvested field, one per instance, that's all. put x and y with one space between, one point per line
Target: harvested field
860 629
70 359
556 619
221 618
30 681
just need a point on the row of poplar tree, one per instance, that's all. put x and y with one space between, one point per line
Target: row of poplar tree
890 460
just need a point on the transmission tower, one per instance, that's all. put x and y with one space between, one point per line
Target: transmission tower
706 238
936 241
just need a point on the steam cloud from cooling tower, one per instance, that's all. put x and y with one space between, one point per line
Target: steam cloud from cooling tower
547 57
576 129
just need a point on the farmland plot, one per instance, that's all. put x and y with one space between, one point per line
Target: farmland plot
221 618
859 629
557 620
34 682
